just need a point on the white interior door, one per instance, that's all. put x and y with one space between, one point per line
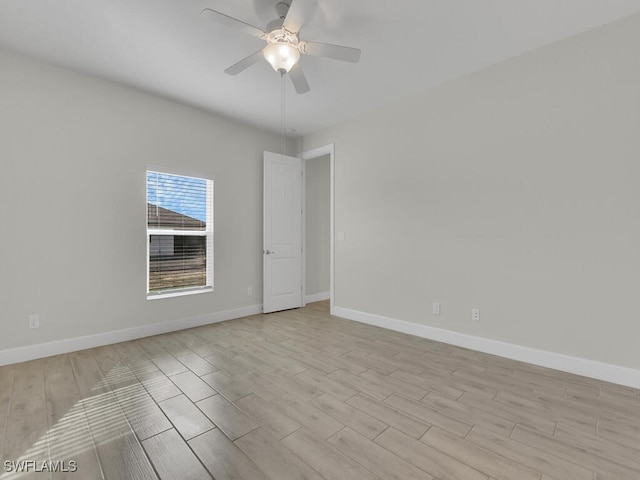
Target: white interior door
282 245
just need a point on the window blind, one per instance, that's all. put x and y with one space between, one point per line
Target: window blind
179 232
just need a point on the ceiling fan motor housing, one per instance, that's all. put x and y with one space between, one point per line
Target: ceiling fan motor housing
274 25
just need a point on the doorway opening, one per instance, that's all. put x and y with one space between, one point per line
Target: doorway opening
318 224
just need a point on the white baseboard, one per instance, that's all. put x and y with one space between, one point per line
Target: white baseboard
588 368
316 297
32 352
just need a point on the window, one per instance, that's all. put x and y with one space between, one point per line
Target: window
179 234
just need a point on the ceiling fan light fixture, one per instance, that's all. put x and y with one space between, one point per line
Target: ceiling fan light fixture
282 56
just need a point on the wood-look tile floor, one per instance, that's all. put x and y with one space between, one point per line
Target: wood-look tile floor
302 395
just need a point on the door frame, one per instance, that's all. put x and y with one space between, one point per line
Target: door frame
307 156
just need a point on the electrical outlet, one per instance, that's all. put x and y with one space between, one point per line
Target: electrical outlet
34 321
475 314
249 291
436 308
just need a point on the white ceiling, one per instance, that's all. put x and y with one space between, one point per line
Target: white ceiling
165 47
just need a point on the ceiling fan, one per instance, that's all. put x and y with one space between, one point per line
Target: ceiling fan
283 43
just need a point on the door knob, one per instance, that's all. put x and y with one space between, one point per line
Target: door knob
269 252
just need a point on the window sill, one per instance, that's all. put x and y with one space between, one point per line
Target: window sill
178 293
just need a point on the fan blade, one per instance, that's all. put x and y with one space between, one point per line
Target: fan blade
231 22
337 52
244 63
298 79
299 11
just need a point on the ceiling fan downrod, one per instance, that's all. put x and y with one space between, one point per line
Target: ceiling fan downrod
282 8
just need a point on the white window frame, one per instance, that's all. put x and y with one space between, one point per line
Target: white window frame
179 292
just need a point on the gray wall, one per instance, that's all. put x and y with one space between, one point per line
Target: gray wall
317 227
73 154
513 190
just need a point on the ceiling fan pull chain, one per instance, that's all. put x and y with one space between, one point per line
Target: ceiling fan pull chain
282 119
